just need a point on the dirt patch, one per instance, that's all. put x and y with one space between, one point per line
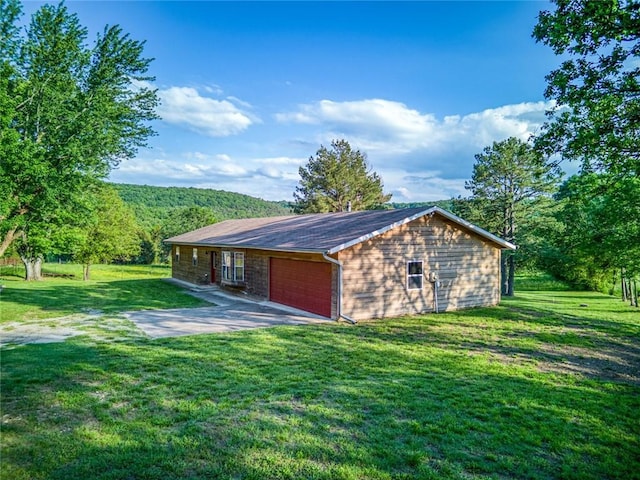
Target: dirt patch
615 363
93 324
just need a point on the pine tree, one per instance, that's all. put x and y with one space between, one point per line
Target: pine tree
337 180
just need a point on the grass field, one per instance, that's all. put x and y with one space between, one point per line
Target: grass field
537 388
112 289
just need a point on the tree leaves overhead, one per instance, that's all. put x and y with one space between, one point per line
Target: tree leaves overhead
597 86
337 179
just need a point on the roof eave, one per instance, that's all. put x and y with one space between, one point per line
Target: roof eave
246 247
430 211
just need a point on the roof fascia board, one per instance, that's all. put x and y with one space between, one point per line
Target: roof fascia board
246 247
380 231
429 211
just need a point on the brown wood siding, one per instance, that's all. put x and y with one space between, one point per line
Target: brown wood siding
375 271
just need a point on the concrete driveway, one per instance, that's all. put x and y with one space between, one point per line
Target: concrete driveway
230 313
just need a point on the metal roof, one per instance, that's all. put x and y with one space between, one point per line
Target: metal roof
318 232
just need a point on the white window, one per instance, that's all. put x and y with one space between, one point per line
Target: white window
414 275
178 254
233 267
226 267
194 257
238 267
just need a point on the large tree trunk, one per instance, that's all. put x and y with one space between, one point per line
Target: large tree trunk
85 271
32 268
8 240
511 276
504 273
504 258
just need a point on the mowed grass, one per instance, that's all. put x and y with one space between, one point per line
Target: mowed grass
537 388
112 289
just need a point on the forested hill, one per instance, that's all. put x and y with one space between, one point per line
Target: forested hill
154 203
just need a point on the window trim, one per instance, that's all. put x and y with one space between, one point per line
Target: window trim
229 272
194 257
415 275
237 255
177 256
226 268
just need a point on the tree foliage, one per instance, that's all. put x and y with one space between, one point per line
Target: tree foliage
596 121
506 178
162 212
182 220
600 236
337 179
70 113
111 233
153 205
597 87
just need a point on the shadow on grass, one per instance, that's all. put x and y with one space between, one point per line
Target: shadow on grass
396 399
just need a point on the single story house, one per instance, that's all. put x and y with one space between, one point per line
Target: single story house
352 265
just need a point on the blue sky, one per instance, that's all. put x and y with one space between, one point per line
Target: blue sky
250 90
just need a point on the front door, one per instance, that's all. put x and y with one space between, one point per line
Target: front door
213 267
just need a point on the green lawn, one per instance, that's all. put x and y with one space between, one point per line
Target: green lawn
537 388
112 289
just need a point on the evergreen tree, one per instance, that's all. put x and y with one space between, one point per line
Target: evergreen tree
506 178
338 179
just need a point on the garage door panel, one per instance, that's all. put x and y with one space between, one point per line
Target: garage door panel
301 284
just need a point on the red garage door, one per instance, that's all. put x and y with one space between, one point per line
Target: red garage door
300 284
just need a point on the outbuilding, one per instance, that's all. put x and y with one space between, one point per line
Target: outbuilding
352 265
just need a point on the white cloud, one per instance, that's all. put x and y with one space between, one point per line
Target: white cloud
388 126
215 118
423 186
420 156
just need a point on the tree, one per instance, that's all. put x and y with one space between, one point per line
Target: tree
600 239
111 233
596 90
73 113
182 220
337 179
506 178
9 138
